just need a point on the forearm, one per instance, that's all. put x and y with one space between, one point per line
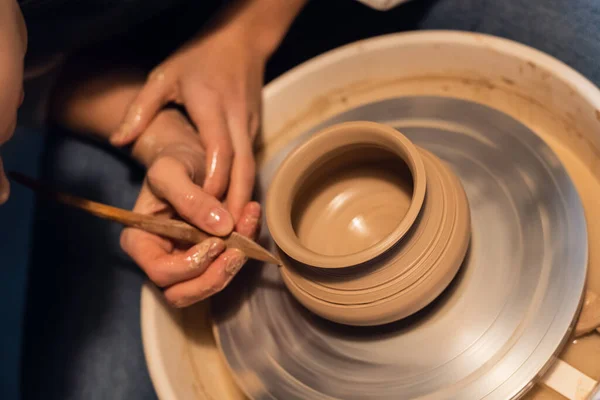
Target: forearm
89 99
265 22
94 103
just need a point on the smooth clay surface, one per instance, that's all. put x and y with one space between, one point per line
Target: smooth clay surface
346 210
370 229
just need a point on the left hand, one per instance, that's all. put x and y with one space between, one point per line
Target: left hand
218 79
171 150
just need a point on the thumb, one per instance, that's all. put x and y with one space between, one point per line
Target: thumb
147 104
169 180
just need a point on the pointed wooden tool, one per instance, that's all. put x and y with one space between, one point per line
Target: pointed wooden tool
169 228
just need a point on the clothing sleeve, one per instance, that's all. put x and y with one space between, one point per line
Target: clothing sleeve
383 5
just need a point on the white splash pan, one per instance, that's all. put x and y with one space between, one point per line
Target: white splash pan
552 99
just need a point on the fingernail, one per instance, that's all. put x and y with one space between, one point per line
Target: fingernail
206 251
254 210
157 74
220 221
216 248
235 263
123 132
250 223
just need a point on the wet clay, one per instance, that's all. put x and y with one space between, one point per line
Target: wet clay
370 228
359 198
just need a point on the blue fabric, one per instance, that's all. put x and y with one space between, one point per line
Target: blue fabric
16 221
82 332
567 30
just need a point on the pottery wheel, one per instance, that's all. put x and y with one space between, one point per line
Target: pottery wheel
488 335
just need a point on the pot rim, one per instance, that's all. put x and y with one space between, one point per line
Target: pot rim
282 191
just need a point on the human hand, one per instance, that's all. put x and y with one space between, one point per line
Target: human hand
13 44
218 79
171 149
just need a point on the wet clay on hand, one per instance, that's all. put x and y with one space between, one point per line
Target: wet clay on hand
369 227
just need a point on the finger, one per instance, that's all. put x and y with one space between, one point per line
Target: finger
243 175
249 223
154 95
206 110
243 168
169 180
164 268
254 125
148 203
4 185
213 280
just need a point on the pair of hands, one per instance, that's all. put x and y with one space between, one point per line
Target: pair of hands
218 80
192 164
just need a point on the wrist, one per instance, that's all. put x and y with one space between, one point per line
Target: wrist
91 103
262 23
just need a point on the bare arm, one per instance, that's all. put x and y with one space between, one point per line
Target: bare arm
268 19
217 77
98 106
96 103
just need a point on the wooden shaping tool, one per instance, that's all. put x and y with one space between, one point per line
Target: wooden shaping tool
168 228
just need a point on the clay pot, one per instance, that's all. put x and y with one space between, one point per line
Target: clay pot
370 228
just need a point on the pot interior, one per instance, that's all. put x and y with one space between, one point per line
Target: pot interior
352 201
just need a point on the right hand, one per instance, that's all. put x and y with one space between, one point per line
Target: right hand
13 45
217 78
171 149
